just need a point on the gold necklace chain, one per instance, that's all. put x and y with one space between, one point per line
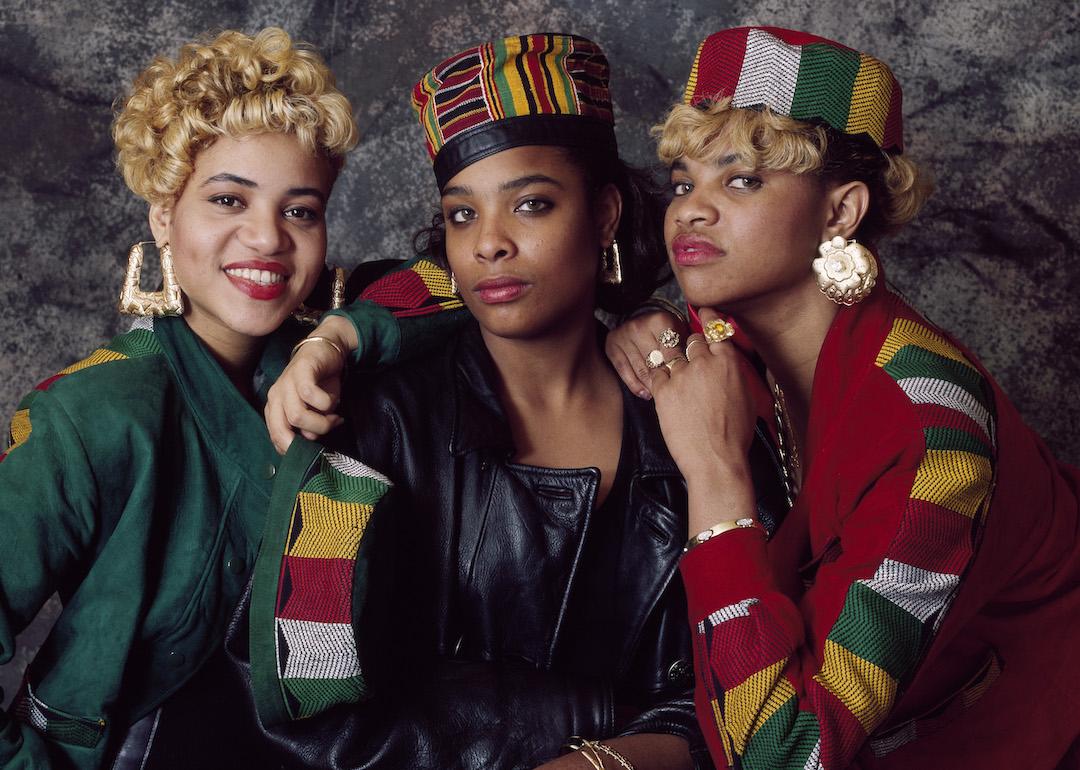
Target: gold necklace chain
786 445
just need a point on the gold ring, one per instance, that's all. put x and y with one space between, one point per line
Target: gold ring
655 359
718 331
668 364
695 341
669 338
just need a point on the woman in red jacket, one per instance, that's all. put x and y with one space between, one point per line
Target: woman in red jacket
917 606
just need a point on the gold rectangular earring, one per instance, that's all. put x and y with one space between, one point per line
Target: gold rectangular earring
611 265
135 301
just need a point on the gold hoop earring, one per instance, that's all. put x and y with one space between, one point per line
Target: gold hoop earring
311 316
611 264
453 283
134 301
846 271
337 290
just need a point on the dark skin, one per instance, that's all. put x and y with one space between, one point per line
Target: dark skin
523 247
571 418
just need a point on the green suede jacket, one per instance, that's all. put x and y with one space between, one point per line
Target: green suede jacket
136 483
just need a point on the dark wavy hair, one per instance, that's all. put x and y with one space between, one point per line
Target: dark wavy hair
640 233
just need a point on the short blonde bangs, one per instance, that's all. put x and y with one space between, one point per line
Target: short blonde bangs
778 143
232 85
764 139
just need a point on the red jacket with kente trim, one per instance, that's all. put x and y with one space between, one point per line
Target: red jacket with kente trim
919 607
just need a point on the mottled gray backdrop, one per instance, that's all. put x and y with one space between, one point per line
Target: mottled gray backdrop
990 105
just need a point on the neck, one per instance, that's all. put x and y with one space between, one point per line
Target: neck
550 372
787 331
238 355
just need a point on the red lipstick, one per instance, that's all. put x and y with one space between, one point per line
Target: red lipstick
258 279
689 250
494 291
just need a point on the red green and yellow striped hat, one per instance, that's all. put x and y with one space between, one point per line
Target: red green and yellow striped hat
547 89
802 76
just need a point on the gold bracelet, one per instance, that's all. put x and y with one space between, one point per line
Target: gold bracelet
587 750
722 527
616 755
318 338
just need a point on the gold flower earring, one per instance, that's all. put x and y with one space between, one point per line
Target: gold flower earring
846 271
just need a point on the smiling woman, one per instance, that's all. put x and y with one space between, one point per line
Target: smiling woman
248 239
136 480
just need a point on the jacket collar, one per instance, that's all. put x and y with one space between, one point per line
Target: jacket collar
846 358
480 423
230 424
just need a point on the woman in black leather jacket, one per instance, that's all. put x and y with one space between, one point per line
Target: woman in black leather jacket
539 517
544 518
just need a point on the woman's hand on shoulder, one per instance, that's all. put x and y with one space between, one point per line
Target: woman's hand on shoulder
308 391
705 407
629 344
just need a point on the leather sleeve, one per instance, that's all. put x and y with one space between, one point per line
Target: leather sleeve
673 717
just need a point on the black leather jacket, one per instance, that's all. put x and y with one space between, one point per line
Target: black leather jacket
518 616
505 563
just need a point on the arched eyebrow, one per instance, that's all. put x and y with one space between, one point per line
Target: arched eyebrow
525 181
312 191
512 184
726 160
244 182
226 177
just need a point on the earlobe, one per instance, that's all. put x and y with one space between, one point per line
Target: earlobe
608 212
160 222
848 204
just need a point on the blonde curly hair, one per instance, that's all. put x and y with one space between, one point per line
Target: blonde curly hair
898 187
231 85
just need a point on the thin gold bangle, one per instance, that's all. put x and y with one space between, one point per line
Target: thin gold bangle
616 755
592 756
583 746
318 338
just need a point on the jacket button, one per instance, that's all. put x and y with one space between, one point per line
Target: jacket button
681 673
236 565
176 659
270 470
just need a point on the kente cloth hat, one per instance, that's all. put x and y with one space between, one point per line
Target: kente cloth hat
803 76
549 89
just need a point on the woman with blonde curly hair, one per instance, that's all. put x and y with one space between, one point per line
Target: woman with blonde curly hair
137 480
917 605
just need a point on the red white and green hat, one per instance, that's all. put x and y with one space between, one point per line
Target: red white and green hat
800 75
549 89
